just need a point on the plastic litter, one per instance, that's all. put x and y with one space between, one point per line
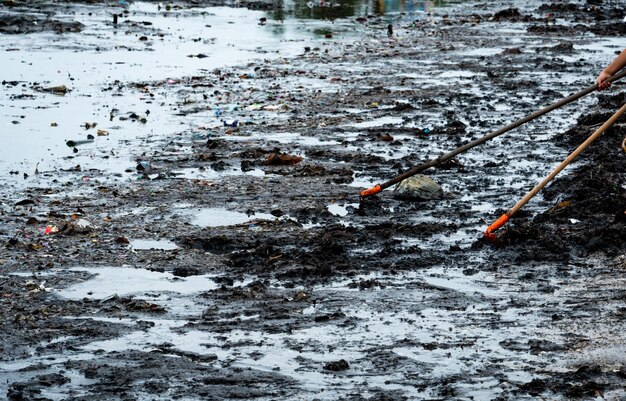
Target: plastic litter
51 230
73 144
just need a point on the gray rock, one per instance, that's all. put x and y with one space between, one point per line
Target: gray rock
418 188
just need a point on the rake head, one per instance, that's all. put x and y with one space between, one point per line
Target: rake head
489 232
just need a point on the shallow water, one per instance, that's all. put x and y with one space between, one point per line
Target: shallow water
96 63
149 244
129 281
220 217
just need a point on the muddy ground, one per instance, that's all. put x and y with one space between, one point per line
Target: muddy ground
232 260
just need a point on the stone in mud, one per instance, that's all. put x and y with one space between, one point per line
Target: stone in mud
337 366
511 50
510 13
283 159
184 271
418 188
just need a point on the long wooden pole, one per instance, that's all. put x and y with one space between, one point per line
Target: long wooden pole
505 217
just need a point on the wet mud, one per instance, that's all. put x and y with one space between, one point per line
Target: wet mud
230 258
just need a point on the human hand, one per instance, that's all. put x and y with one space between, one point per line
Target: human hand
602 80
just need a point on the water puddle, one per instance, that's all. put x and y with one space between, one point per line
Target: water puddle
378 122
96 64
128 281
146 244
208 174
284 138
341 210
219 217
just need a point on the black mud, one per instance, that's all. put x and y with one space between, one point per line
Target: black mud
307 294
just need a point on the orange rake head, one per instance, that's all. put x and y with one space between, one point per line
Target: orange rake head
371 191
489 235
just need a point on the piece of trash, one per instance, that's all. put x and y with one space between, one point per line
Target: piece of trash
559 206
122 240
143 166
217 112
102 132
204 183
60 89
51 230
233 123
385 137
25 202
273 107
81 226
34 288
254 107
574 221
278 159
171 81
109 298
73 144
300 295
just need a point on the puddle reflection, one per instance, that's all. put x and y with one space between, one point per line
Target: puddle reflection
329 9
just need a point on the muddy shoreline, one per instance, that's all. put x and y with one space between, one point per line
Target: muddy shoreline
229 257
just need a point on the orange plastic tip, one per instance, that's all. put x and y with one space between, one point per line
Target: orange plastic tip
490 236
497 224
371 191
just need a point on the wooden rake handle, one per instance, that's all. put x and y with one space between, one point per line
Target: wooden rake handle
505 217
